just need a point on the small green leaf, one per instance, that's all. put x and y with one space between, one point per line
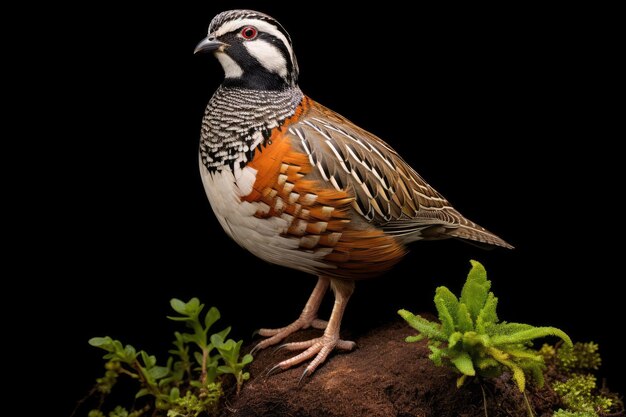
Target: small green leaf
436 355
158 372
454 339
519 353
447 306
179 306
464 320
485 362
130 352
224 333
464 364
487 316
211 373
211 317
117 345
193 307
429 329
533 333
149 361
473 341
177 318
198 357
507 329
246 359
100 341
224 369
518 375
217 340
174 394
142 392
416 338
475 290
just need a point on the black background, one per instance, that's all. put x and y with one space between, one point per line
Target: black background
503 111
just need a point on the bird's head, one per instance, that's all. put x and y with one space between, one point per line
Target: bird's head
254 49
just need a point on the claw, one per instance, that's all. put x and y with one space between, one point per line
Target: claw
279 348
274 370
255 333
255 349
304 374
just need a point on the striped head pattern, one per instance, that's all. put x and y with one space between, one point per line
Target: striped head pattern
254 50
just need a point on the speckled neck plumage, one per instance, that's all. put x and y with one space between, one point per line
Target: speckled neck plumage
237 121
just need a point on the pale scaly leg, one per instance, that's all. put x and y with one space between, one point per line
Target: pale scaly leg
320 347
308 318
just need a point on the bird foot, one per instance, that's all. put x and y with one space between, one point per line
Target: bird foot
319 348
275 336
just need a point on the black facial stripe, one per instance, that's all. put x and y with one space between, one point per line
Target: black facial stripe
255 74
280 45
280 28
240 54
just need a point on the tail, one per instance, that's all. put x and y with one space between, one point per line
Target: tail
471 231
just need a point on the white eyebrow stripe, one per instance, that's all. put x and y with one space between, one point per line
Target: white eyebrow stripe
268 56
261 25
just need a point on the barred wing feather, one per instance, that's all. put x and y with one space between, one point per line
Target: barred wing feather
387 191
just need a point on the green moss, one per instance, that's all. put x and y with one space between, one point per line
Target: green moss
578 393
580 357
191 406
565 413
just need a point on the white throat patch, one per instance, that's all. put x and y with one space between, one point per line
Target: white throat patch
231 68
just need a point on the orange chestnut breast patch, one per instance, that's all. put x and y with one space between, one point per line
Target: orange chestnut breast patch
317 213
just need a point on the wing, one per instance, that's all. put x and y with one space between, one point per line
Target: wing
388 192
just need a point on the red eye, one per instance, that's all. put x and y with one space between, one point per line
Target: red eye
249 32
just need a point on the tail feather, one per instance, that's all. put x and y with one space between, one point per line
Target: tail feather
478 234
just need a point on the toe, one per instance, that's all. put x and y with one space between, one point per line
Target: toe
346 345
270 332
299 345
301 357
318 349
319 324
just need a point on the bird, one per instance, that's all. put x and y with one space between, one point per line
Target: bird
300 186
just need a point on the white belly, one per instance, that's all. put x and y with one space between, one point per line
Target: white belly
264 237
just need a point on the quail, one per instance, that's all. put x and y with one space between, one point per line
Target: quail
300 186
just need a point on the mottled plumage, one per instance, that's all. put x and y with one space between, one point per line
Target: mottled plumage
300 186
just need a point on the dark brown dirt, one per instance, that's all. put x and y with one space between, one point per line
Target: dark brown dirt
383 377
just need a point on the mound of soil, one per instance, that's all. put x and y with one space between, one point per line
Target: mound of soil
383 377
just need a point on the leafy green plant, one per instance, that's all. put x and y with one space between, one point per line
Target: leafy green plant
184 387
472 340
229 352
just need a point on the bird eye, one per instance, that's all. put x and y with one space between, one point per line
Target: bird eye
249 32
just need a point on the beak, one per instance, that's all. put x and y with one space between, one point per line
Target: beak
209 44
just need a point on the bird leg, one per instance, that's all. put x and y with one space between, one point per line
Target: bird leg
320 347
308 318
